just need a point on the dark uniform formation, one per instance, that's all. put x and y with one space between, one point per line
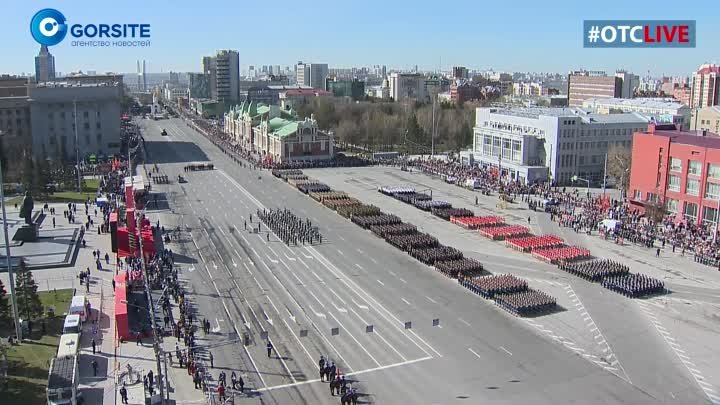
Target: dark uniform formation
446 213
162 179
595 270
511 294
367 221
289 228
460 268
634 285
199 166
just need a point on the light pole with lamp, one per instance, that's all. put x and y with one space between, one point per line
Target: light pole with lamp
8 258
587 182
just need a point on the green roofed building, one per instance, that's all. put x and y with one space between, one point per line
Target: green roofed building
277 134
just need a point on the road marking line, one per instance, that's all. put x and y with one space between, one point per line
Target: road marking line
431 300
405 301
464 321
379 335
359 305
316 298
506 350
356 289
272 260
473 352
316 276
356 341
292 259
359 266
341 252
370 370
380 282
403 280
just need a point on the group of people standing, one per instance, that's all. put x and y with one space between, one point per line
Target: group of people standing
339 385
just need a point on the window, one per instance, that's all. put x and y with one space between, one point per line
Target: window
675 165
690 211
712 190
713 171
673 183
86 114
97 125
710 214
695 168
637 195
672 206
692 187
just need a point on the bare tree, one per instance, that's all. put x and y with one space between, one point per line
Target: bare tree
619 163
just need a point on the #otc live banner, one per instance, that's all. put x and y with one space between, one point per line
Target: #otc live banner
639 34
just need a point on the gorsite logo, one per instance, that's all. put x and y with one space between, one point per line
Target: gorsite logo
49 27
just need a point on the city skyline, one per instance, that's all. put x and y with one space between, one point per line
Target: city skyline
399 35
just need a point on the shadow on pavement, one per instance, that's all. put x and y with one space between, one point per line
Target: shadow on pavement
181 152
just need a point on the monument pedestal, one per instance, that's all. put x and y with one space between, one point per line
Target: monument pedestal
26 233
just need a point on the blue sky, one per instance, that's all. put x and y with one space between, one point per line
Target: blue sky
505 35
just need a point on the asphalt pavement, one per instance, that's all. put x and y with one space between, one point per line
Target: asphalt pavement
321 299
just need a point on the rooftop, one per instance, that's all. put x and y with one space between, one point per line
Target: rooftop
668 103
536 112
694 138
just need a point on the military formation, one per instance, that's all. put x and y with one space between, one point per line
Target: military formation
289 228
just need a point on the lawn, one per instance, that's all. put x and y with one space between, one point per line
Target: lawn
89 190
29 362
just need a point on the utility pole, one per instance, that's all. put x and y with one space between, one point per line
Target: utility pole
8 260
432 133
604 173
77 146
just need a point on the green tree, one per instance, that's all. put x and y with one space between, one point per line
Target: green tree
4 306
29 305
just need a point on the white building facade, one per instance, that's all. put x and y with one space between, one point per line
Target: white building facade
537 144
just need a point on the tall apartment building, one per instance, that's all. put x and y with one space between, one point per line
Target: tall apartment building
530 144
630 83
405 86
199 85
302 74
583 85
52 118
223 72
311 74
705 89
44 65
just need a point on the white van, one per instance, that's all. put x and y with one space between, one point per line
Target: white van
72 324
78 306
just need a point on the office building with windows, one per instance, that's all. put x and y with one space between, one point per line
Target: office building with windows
583 85
537 144
52 117
678 171
705 88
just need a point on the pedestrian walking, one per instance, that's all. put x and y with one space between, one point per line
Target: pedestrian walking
94 364
657 252
93 345
269 348
138 339
123 394
212 362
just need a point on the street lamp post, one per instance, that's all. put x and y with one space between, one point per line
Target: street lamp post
77 147
587 182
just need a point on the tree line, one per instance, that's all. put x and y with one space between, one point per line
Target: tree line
390 126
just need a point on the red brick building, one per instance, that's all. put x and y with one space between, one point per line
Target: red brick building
677 169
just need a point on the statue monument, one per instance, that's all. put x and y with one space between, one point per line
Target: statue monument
27 232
